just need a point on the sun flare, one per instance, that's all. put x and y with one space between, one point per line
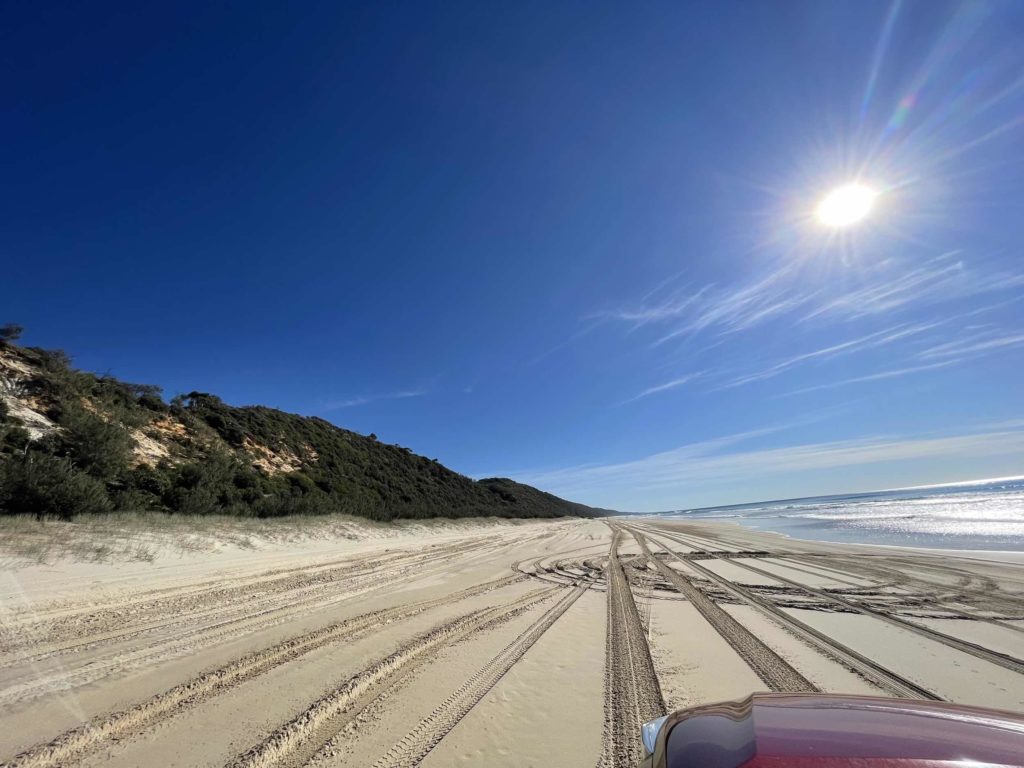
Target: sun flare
846 205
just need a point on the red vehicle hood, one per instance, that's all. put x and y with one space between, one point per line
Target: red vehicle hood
815 731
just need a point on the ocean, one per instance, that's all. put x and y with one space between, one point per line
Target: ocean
984 514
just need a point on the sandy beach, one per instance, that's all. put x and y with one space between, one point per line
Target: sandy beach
499 644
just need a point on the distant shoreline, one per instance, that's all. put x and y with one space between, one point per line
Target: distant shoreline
979 515
736 521
965 484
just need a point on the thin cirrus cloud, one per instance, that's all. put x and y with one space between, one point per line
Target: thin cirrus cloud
570 476
940 278
674 384
877 376
665 309
782 293
870 341
352 402
731 311
979 343
725 315
713 465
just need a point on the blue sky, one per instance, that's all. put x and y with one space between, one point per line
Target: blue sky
572 243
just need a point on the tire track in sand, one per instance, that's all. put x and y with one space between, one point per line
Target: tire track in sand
81 628
1005 660
74 744
429 732
870 670
34 680
297 741
632 694
888 571
773 670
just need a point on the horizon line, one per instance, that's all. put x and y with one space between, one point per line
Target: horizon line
979 481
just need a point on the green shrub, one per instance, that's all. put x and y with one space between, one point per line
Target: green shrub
99 447
44 485
13 436
148 480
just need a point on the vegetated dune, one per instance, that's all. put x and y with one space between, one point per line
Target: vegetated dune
505 643
74 443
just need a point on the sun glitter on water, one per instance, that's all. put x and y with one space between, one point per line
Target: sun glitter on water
846 205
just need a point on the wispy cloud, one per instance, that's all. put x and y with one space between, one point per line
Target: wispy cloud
651 311
571 475
736 309
870 341
715 316
889 374
577 335
678 473
984 342
364 399
941 277
788 293
1006 424
678 382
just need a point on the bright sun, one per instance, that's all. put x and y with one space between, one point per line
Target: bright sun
846 205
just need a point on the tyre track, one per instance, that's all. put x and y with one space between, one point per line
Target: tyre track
65 609
76 743
1004 660
774 671
429 732
899 570
251 607
79 629
298 740
40 684
35 680
894 570
875 673
632 693
128 602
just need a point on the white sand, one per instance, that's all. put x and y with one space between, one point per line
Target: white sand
342 643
